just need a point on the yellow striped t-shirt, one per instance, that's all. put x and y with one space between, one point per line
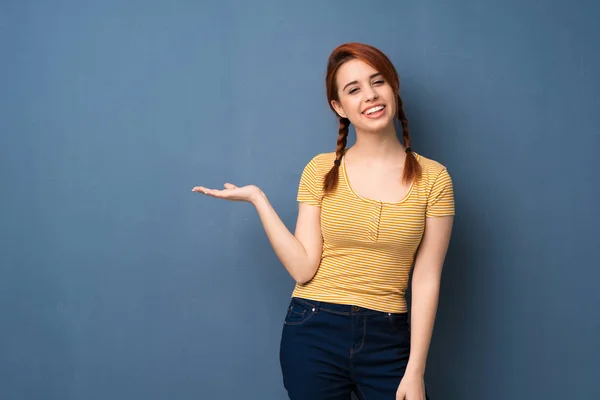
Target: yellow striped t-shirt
369 246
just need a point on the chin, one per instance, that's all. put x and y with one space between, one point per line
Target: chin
377 125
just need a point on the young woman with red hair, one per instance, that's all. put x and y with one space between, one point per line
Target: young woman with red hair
368 216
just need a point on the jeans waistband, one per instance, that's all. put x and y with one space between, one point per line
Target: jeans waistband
343 309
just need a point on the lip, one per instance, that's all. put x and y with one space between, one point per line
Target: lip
374 105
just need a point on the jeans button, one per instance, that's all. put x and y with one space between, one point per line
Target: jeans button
355 308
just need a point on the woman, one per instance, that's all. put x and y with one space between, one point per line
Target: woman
366 215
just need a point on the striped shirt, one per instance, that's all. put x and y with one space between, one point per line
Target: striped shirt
369 246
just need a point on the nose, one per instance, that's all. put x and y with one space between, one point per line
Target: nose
371 94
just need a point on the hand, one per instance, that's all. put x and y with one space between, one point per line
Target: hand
412 387
231 192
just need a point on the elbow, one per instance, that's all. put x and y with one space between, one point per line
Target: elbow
302 280
426 282
304 275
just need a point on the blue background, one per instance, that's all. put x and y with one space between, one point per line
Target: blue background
118 282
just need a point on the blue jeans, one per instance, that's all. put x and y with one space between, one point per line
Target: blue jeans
330 350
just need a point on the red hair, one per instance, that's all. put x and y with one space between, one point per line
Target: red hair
378 60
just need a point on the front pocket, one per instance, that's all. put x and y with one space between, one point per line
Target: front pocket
294 309
298 313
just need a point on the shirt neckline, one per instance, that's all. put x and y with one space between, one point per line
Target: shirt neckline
349 186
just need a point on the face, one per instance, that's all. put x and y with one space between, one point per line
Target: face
365 98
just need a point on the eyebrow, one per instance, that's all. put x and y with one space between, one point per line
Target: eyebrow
355 82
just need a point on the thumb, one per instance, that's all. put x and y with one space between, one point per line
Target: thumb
229 186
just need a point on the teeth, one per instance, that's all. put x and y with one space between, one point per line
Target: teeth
374 109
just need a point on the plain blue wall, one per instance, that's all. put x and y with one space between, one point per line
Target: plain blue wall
117 282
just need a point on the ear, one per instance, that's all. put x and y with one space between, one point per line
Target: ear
338 109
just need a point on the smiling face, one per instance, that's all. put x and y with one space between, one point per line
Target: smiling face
364 97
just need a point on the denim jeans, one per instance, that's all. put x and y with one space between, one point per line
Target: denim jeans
330 350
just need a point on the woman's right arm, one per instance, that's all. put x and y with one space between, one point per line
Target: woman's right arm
299 253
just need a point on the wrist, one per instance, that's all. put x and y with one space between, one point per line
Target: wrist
257 197
415 371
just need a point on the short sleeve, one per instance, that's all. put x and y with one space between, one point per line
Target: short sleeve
440 201
309 189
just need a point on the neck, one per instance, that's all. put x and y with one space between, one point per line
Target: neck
383 144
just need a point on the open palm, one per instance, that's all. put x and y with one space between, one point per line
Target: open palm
231 192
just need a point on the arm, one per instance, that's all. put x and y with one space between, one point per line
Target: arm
300 253
425 289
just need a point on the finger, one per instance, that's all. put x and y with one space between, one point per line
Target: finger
199 189
209 192
230 186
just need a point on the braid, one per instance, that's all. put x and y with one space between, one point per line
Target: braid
404 122
342 138
331 179
412 168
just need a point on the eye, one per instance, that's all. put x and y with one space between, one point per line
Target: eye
379 82
353 90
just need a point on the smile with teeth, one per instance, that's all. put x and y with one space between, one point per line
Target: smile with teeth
374 109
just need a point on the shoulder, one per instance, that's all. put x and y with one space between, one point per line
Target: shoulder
321 163
311 180
431 170
430 165
324 159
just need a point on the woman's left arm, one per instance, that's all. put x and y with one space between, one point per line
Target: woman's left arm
426 288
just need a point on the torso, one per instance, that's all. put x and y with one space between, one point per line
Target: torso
371 230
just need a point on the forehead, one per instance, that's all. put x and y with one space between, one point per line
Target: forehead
354 70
